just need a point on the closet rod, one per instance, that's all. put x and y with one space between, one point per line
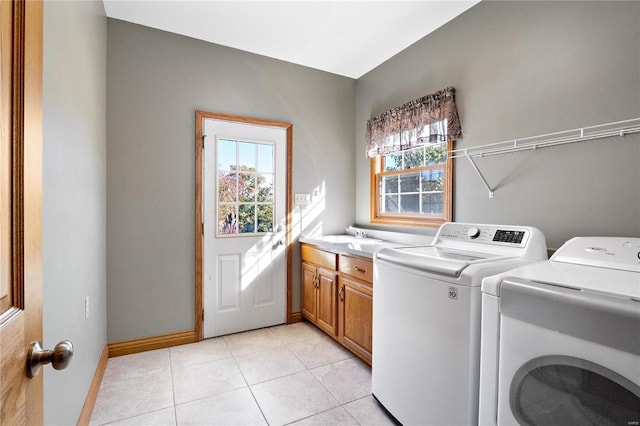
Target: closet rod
617 128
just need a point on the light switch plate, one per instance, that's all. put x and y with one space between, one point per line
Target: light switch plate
301 198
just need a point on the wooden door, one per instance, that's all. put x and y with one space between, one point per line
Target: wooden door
309 293
356 317
327 313
21 209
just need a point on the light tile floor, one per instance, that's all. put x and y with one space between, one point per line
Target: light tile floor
289 374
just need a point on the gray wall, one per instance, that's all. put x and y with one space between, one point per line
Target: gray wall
523 69
74 198
156 80
520 69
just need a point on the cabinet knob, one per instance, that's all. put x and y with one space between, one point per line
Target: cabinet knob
358 269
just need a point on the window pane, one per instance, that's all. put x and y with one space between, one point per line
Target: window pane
410 203
245 197
265 158
433 180
406 190
227 219
247 186
246 218
436 154
393 161
246 155
414 158
432 203
265 187
410 182
226 154
390 204
227 187
265 218
389 184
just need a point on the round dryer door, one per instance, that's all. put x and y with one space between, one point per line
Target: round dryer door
563 390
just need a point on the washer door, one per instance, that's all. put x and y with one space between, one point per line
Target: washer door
563 390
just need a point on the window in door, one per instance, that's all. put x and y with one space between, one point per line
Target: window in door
245 190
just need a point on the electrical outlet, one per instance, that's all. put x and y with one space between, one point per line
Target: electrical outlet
302 198
86 307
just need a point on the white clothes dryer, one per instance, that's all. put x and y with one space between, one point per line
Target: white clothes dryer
560 340
426 318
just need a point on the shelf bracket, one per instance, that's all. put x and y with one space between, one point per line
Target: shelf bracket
475 167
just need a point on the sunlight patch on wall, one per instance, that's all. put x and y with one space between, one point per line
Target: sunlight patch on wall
307 220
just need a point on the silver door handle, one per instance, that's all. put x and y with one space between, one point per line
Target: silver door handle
59 357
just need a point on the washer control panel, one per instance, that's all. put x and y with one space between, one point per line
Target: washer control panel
511 236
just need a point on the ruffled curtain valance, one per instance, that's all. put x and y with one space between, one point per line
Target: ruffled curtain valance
432 118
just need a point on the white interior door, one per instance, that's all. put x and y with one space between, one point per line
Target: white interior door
244 283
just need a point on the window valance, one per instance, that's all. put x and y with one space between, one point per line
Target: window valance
432 118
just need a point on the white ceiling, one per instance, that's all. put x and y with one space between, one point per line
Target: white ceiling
348 38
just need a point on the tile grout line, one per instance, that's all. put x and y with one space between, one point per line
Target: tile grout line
233 356
135 378
331 393
173 390
306 369
258 404
309 369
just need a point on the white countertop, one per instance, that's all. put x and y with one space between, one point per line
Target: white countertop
348 244
368 245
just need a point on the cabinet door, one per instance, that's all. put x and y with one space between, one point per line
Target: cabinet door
309 293
356 316
327 314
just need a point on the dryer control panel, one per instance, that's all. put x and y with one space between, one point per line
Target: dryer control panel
605 252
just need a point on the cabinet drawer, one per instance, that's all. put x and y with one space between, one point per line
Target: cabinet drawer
357 267
318 257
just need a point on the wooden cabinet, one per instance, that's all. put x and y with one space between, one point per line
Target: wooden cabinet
355 305
327 318
337 296
319 297
309 294
320 289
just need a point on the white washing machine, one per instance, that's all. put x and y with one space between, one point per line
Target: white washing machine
561 338
426 318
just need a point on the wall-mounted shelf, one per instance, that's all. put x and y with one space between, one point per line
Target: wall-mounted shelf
618 128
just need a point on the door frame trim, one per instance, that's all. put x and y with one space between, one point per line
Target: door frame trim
199 228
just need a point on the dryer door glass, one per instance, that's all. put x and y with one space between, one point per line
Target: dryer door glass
562 390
